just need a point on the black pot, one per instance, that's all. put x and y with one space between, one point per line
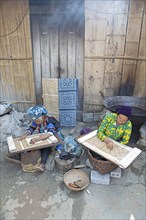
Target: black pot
138 105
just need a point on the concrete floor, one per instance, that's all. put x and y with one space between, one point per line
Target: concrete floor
42 196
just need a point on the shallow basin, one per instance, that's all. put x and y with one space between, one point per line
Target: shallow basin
138 105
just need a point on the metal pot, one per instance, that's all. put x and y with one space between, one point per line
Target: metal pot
138 105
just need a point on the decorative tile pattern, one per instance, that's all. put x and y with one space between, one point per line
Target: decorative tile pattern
68 118
68 100
68 84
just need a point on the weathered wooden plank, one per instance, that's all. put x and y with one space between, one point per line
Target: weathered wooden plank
112 79
2 80
45 47
18 87
71 51
110 92
22 47
142 50
140 79
5 29
26 28
4 47
16 68
7 80
89 30
142 43
14 47
79 64
112 76
25 88
133 23
121 7
94 48
94 68
115 45
54 51
143 32
131 49
113 66
100 26
63 51
23 107
94 72
18 18
136 8
36 52
120 24
26 21
28 47
103 6
128 79
1 21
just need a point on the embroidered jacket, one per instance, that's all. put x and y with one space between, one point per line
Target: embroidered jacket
109 128
49 124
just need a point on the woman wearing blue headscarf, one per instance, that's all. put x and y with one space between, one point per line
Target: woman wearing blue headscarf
41 123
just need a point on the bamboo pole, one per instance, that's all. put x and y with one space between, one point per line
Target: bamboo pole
11 58
116 57
16 102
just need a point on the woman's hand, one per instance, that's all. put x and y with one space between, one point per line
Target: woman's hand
20 138
109 143
33 140
40 138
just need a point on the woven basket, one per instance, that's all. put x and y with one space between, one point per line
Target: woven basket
74 175
102 165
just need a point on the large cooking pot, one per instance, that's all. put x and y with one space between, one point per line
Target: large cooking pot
138 105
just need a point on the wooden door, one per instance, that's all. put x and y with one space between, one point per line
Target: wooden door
58 39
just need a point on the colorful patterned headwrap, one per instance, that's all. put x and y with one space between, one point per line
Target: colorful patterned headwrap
36 112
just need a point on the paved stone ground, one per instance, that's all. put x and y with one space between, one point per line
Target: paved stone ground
36 196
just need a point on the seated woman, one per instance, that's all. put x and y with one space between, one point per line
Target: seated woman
116 126
41 123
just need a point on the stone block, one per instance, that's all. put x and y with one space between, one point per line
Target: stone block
67 100
87 117
68 118
116 173
98 178
68 84
98 116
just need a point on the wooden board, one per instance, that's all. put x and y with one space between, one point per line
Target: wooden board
16 146
121 155
50 96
